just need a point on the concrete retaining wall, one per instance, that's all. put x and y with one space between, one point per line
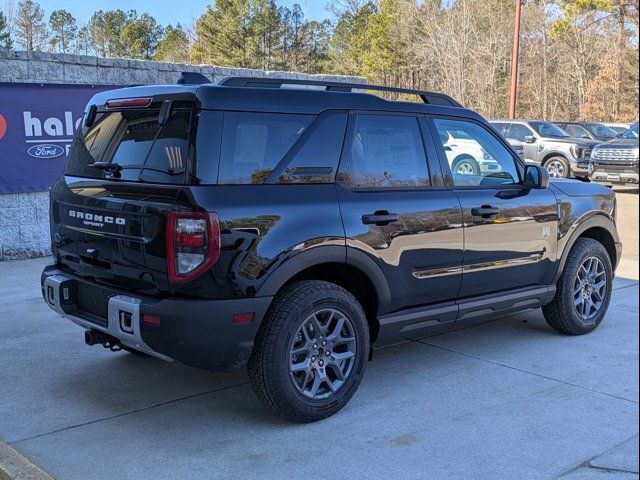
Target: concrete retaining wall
24 229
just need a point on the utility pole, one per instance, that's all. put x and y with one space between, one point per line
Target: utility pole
515 61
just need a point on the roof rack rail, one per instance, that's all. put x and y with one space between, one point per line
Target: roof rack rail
192 78
258 82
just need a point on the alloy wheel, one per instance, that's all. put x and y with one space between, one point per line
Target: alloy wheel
322 354
465 168
590 288
556 169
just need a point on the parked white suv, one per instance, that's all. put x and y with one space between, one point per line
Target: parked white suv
465 155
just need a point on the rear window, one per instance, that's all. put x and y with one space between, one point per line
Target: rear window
144 150
254 143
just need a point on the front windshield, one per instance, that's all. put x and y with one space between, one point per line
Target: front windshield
546 129
632 133
602 131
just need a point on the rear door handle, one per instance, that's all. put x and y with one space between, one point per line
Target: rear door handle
485 211
380 218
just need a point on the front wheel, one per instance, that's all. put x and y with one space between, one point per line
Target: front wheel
310 353
557 167
583 291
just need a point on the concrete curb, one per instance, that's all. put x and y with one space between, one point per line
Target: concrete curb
14 466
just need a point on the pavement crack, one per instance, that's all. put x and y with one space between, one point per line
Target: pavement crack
587 463
124 414
504 365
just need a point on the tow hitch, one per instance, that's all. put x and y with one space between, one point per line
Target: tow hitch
94 337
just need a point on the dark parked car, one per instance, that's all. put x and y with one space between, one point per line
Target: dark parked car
588 130
296 230
616 161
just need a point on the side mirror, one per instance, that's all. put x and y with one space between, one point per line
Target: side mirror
536 177
530 139
584 135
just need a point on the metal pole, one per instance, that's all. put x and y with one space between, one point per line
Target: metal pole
515 61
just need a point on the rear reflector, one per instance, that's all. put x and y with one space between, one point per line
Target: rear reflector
243 318
129 102
151 319
190 240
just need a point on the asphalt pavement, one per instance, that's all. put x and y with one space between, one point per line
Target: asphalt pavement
508 399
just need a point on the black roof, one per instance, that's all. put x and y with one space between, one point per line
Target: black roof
303 100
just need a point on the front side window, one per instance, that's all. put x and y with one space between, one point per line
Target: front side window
254 143
577 131
385 151
478 159
547 129
519 132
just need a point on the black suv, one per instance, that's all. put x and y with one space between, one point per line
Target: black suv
292 229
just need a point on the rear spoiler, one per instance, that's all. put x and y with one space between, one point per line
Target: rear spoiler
192 78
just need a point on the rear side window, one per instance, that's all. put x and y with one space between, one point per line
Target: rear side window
385 151
254 143
143 149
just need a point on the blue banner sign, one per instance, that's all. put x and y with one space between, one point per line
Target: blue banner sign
37 125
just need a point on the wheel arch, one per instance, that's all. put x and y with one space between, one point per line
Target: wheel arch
597 226
552 154
355 272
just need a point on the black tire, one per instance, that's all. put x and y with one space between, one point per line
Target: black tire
269 365
473 167
562 313
558 167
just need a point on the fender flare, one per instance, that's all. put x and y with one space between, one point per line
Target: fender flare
554 153
328 254
584 223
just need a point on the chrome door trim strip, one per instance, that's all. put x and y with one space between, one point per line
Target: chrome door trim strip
477 267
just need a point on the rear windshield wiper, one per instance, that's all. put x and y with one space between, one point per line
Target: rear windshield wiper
111 167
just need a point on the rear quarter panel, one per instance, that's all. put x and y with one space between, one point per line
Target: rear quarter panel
264 227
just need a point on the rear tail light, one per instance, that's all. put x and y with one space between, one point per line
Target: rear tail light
193 244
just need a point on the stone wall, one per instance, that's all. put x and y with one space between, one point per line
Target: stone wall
24 228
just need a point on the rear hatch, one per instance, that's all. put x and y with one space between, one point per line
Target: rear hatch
127 176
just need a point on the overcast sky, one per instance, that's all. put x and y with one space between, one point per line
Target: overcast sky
164 11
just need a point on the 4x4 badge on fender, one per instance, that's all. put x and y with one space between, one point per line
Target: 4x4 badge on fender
546 232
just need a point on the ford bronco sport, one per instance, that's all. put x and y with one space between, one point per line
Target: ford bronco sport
295 226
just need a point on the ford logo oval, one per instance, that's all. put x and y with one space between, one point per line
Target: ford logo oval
45 150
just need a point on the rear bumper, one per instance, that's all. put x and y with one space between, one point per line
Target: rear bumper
199 333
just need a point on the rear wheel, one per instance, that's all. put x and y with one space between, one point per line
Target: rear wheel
583 291
310 353
557 167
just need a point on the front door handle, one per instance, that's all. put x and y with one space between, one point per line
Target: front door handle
380 218
485 211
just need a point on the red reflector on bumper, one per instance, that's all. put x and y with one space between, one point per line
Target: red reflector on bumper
151 319
243 318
